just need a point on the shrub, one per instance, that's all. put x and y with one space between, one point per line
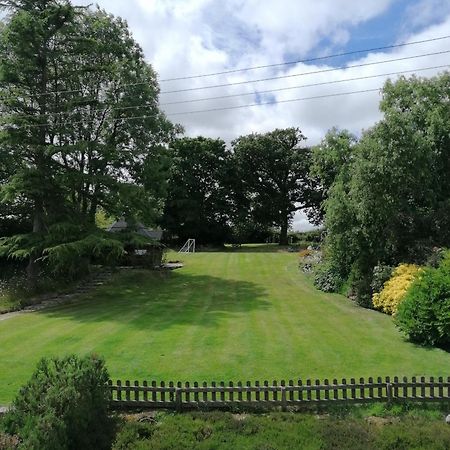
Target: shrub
424 314
63 406
381 274
395 288
328 278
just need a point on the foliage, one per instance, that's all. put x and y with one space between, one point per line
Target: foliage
85 146
390 203
395 289
424 314
276 430
64 405
328 160
199 202
328 278
273 178
381 274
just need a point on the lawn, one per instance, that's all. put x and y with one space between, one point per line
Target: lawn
224 316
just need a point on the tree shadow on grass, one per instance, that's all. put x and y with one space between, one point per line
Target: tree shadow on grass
155 301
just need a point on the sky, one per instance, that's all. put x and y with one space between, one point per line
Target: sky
182 38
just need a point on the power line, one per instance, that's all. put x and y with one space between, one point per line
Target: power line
117 119
275 102
102 110
72 91
318 58
302 86
305 73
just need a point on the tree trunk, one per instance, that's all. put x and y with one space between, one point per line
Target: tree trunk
33 267
284 230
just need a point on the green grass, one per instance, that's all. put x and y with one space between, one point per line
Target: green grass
224 316
279 431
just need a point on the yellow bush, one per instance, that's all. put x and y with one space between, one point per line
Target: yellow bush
395 288
304 253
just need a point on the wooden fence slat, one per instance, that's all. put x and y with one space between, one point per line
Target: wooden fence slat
405 387
258 394
395 390
362 394
239 385
145 386
335 389
205 393
431 387
154 399
380 389
213 395
422 387
172 392
136 391
266 391
163 394
230 394
119 390
196 398
187 392
275 392
370 381
300 390
178 397
352 389
291 390
127 390
414 392
249 393
317 390
440 387
222 392
344 389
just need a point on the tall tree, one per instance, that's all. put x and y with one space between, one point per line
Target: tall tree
394 204
199 200
80 113
273 169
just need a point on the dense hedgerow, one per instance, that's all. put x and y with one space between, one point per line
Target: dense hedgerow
63 406
395 288
424 314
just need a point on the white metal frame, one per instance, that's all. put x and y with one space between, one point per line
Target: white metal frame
188 247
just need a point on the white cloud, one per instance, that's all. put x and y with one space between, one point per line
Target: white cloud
181 37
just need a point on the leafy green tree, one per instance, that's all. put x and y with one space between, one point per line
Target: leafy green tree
393 206
80 114
273 169
199 204
329 158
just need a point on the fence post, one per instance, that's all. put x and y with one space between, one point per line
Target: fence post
283 399
178 403
388 390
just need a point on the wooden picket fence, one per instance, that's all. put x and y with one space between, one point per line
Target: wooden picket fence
282 394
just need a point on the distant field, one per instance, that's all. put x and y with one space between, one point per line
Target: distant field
224 316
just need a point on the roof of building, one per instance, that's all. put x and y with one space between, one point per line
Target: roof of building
122 225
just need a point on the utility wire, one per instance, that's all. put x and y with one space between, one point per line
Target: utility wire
247 81
102 110
117 119
202 99
314 72
319 58
275 102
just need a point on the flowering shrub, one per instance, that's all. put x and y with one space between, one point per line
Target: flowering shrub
305 252
395 288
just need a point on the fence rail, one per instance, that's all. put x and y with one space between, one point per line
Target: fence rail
282 394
